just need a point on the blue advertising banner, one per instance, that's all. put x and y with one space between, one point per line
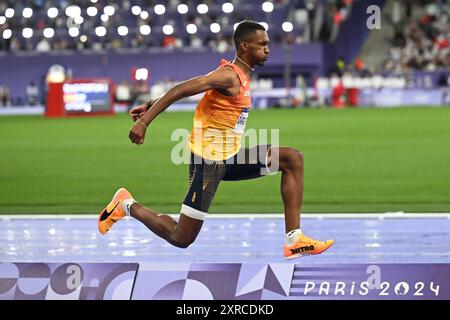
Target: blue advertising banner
223 281
282 281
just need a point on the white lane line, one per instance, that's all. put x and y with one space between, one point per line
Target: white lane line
320 216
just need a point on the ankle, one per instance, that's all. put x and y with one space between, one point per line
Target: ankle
126 206
292 236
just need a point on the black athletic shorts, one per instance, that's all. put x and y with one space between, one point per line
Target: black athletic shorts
205 176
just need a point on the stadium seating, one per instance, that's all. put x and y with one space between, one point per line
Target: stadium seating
97 24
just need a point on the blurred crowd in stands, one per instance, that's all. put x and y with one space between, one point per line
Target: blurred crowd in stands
32 96
421 41
104 24
5 97
96 25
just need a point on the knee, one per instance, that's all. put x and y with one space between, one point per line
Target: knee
181 243
294 159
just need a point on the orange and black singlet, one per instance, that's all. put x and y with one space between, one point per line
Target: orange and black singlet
219 120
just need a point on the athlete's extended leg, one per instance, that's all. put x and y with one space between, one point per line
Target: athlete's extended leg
181 234
204 179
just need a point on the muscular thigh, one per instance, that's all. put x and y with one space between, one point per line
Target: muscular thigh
204 179
249 163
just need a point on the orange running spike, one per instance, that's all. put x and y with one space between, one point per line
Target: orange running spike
113 211
306 246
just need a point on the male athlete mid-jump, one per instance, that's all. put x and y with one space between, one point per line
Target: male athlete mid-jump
216 153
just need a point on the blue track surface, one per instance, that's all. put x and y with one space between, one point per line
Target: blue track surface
357 240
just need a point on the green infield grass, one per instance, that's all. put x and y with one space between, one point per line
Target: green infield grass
356 160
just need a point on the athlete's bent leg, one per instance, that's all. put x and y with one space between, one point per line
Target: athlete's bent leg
290 163
180 234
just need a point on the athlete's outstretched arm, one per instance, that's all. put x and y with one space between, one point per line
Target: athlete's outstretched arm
224 78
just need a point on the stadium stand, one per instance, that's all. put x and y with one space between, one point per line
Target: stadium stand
97 25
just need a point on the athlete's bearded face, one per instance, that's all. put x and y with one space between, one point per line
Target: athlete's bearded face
258 47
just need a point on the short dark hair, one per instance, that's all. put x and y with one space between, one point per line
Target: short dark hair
244 30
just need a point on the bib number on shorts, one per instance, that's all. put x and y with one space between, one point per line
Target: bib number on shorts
241 122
